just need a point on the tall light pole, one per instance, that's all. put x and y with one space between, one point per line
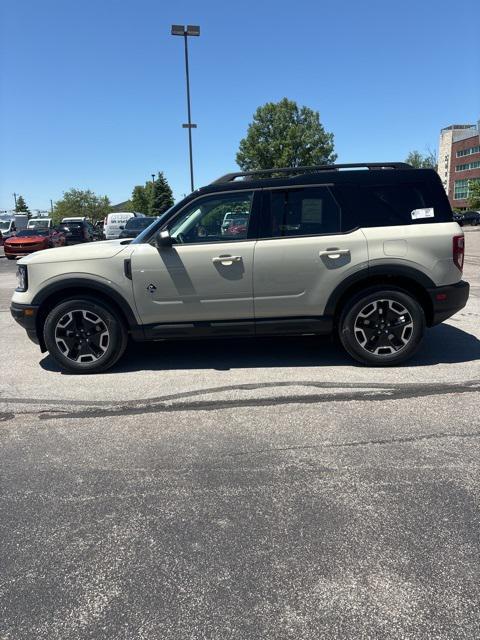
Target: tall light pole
189 30
15 198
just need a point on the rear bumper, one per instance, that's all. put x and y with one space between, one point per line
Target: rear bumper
446 301
26 316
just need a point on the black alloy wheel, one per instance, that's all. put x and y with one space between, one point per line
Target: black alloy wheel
85 335
382 327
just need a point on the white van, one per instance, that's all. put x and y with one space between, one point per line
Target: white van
114 223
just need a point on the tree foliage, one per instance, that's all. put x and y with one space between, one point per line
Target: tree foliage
161 197
21 206
140 200
422 161
78 203
473 201
152 198
282 134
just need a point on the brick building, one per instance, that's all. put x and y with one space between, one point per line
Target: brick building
459 161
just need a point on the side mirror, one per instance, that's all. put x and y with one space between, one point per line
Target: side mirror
122 227
164 239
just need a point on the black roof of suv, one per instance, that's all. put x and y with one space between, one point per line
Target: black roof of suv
369 194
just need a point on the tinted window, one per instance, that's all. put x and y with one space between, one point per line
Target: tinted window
389 205
138 223
300 212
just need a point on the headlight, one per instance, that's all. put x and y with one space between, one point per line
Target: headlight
22 278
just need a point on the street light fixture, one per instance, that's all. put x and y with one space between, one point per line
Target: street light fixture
185 31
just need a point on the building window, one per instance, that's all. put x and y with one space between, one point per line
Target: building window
468 152
468 166
460 191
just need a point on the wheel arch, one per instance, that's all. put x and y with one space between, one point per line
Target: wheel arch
410 280
50 296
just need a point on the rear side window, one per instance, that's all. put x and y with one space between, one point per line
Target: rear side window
300 212
390 205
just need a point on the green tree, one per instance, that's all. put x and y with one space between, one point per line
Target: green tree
422 161
21 206
141 199
282 134
161 197
473 201
77 203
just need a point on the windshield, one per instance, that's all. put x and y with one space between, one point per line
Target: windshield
158 223
4 225
32 232
33 224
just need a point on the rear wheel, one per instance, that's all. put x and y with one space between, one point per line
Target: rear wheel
382 326
84 336
9 257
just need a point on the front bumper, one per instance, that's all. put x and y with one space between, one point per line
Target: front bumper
26 316
21 252
446 301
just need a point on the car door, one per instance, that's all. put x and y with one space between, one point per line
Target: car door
301 255
206 275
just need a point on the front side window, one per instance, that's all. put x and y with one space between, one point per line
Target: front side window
307 211
216 218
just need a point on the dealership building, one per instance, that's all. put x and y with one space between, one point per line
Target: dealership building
459 161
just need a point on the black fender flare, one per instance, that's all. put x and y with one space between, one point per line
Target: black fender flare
92 285
374 273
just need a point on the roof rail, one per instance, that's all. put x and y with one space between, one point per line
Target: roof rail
230 177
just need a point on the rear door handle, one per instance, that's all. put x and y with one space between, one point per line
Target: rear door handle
334 253
226 260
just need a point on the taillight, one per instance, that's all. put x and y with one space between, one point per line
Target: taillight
458 251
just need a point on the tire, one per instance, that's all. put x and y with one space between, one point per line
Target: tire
84 335
10 257
382 326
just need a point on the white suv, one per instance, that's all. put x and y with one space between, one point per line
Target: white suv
371 255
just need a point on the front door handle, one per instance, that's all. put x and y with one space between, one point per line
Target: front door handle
226 260
334 253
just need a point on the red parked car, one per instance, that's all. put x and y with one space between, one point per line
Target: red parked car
236 227
30 240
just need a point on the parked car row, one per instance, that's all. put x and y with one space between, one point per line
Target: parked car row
467 217
41 234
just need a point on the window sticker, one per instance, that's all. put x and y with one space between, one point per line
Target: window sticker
426 212
312 210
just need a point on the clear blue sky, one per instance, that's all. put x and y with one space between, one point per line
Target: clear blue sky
93 92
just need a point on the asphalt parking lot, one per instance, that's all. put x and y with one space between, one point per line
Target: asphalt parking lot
242 489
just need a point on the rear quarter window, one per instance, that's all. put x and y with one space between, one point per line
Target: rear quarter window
386 205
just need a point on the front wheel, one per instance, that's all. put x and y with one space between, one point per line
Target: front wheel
382 327
84 335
